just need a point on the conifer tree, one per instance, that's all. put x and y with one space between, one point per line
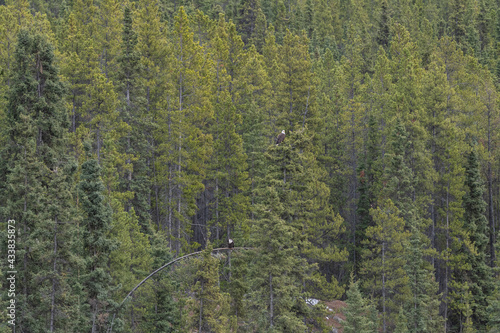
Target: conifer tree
446 142
330 142
493 310
369 178
324 21
213 308
398 177
108 18
97 245
182 136
279 272
293 213
401 322
356 312
252 97
149 88
163 314
248 19
383 25
384 261
37 186
135 179
481 284
9 30
131 260
351 122
296 91
228 176
423 307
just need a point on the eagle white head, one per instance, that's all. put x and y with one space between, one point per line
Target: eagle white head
280 137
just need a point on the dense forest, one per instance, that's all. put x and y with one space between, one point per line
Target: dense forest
135 132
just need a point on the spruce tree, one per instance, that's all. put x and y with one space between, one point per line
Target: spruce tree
212 313
369 177
36 189
185 145
295 98
135 180
97 245
480 275
228 176
422 309
163 315
293 221
384 260
493 310
356 312
247 24
401 322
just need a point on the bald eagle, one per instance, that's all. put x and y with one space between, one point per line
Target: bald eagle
280 138
230 243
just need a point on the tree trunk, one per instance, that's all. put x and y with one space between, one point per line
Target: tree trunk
383 288
491 216
53 292
271 303
200 321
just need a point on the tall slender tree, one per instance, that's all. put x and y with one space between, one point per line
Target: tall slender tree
97 245
480 275
37 186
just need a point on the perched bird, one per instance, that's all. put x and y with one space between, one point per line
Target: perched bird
280 138
230 243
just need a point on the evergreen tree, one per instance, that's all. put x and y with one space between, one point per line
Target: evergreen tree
163 313
247 24
135 180
213 306
36 189
398 177
401 322
356 318
109 15
279 272
149 89
384 261
97 246
295 96
293 213
9 30
186 109
481 284
383 31
423 307
131 260
368 175
493 310
228 177
330 140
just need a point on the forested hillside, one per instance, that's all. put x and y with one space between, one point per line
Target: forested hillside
136 132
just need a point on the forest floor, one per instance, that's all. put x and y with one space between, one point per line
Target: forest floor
336 316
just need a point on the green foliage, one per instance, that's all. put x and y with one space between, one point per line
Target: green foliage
356 312
481 284
97 246
212 311
383 270
493 310
181 103
37 186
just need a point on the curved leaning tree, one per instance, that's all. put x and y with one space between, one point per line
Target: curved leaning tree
162 268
